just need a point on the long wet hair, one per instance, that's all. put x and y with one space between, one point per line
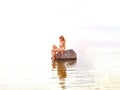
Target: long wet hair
62 38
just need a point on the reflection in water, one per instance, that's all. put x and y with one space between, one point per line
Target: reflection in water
61 69
61 66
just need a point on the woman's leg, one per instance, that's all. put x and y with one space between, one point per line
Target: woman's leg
53 52
58 50
55 47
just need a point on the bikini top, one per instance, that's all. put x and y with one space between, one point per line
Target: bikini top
61 44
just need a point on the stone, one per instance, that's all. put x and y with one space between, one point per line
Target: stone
69 54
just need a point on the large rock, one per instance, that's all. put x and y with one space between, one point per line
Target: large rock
66 55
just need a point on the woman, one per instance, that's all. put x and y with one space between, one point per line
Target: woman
61 48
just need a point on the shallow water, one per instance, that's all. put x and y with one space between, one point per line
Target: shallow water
95 69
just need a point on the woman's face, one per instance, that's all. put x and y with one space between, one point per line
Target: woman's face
60 40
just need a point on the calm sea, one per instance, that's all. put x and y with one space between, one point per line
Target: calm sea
96 68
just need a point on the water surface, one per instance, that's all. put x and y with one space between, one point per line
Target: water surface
96 68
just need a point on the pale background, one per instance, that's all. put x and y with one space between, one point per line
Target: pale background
28 28
37 24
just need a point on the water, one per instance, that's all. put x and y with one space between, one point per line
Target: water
96 68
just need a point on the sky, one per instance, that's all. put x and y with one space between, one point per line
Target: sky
29 26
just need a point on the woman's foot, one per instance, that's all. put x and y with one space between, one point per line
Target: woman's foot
53 58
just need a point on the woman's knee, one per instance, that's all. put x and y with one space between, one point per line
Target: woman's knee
54 46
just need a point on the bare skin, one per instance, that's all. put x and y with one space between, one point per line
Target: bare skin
56 49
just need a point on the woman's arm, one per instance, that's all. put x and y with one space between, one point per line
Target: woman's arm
64 45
